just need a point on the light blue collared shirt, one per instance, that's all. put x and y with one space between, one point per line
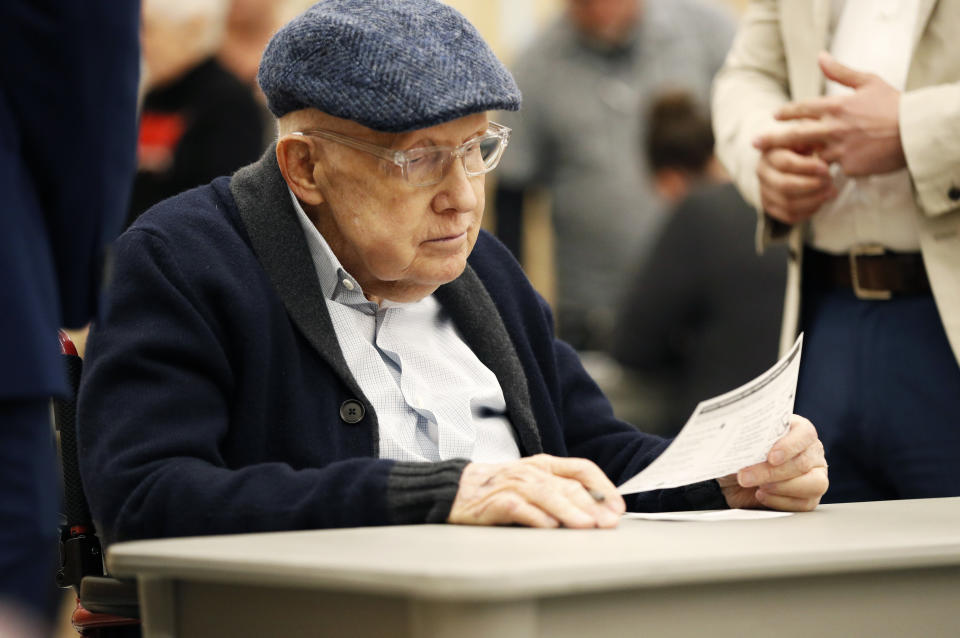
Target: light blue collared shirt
434 399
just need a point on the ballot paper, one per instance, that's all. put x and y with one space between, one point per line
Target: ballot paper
712 515
727 433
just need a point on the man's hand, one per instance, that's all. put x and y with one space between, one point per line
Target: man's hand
859 131
793 478
793 186
539 491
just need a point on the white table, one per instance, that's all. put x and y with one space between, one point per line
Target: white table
865 569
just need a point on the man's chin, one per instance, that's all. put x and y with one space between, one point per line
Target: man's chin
413 289
451 273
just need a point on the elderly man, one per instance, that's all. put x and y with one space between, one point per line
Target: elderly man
328 339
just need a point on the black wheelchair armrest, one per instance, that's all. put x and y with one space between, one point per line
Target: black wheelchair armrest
106 595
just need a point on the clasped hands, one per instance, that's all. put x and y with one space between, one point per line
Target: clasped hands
859 131
550 491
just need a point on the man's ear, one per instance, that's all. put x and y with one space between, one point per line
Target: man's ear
297 162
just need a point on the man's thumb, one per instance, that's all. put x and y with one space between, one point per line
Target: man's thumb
841 74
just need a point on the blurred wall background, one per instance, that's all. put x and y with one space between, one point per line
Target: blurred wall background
506 24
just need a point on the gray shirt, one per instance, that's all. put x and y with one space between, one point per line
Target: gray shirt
581 130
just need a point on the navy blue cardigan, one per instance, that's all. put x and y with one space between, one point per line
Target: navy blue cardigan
212 393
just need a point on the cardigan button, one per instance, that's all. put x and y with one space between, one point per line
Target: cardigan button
954 193
351 411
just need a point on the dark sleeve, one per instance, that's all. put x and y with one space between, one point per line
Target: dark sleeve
75 103
509 209
664 300
620 450
155 412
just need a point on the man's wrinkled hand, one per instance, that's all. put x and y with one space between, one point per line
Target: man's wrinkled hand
538 491
859 131
793 478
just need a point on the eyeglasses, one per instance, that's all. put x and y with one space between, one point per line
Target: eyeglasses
427 166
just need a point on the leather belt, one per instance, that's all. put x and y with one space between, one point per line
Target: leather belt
870 270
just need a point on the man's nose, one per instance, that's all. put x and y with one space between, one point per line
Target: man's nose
457 189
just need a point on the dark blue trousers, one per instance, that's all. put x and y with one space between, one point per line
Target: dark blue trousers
29 501
880 383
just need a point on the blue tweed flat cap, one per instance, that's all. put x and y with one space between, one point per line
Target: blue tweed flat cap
391 65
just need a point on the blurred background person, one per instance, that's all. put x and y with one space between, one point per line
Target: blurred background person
586 80
199 121
250 23
68 88
701 316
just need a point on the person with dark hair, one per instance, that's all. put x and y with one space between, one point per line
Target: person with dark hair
328 339
699 318
679 146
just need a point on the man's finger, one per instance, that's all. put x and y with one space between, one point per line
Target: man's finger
787 503
790 185
813 108
765 473
590 476
840 73
788 161
798 438
801 208
591 501
812 483
796 209
805 134
512 509
566 501
801 436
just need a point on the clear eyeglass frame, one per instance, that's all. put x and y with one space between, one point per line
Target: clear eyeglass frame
428 165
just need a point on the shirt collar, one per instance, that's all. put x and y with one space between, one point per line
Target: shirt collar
335 282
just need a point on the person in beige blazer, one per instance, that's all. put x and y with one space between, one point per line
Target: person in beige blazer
840 122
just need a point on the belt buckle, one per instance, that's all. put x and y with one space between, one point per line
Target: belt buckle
866 250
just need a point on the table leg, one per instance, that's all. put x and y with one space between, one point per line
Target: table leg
158 610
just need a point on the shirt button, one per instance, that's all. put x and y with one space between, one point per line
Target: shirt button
954 193
351 411
347 284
